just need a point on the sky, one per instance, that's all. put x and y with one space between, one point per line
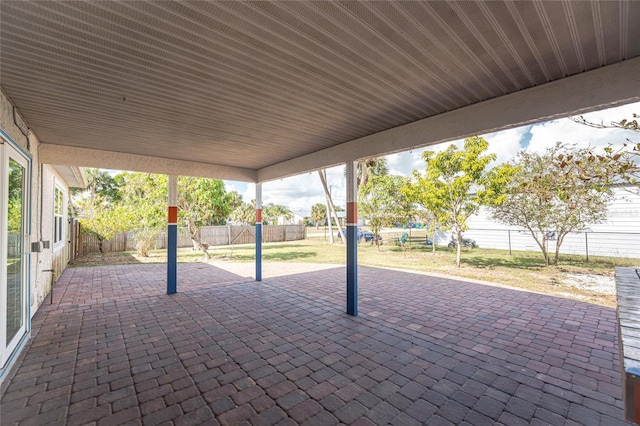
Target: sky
300 192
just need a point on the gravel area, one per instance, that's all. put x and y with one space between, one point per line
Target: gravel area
601 284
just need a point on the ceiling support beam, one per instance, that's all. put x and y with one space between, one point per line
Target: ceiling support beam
601 88
84 157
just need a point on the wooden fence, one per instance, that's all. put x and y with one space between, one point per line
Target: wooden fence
212 235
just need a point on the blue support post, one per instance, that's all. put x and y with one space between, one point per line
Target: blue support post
352 270
258 232
172 236
352 240
172 258
258 251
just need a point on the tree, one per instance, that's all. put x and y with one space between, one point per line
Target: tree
272 212
235 200
145 195
318 213
382 203
550 200
414 193
245 213
370 166
105 220
619 165
100 183
202 202
446 187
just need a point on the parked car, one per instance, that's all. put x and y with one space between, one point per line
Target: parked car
466 242
361 235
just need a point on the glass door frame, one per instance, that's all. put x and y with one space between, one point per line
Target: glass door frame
10 151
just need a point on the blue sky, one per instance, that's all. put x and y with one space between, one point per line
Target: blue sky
300 192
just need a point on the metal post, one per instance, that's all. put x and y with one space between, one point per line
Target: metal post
586 245
509 231
172 236
258 231
352 241
72 241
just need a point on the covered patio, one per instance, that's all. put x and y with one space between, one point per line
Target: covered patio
113 349
259 91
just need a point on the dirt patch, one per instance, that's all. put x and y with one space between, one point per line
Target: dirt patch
600 284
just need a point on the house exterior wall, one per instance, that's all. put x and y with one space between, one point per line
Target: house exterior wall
42 181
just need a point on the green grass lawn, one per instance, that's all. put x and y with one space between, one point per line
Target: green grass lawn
525 270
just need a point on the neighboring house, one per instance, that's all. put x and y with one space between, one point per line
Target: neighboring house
297 217
34 228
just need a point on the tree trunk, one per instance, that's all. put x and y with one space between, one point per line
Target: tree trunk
543 247
376 232
197 244
459 248
100 247
542 244
559 239
433 242
327 194
329 222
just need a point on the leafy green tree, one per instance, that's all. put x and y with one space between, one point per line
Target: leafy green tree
453 186
382 203
318 213
202 202
235 200
145 195
245 213
271 212
15 207
105 220
100 183
550 200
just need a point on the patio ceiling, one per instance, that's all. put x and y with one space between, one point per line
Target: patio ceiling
261 90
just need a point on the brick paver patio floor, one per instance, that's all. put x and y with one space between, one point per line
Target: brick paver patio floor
114 349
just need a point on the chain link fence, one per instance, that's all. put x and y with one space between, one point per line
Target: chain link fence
587 244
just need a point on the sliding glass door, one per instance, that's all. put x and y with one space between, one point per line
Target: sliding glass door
14 190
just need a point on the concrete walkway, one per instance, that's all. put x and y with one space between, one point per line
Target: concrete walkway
114 349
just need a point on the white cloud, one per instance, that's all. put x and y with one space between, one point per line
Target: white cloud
507 143
545 135
403 163
302 191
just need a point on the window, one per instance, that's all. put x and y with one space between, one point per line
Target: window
58 216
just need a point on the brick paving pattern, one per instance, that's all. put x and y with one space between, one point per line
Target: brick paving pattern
114 349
